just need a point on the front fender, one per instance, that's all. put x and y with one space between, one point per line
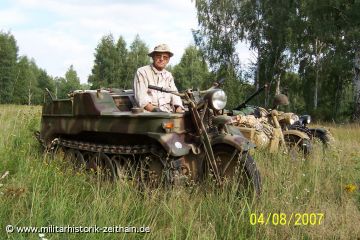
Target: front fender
314 131
173 143
237 141
296 133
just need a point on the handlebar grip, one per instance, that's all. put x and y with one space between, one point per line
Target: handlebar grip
221 81
155 87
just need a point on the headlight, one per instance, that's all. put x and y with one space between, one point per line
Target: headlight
305 119
218 99
294 119
290 118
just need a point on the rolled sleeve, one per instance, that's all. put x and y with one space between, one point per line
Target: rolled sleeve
141 90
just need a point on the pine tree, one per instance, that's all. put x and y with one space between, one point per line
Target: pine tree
22 82
137 57
104 69
120 63
8 59
192 71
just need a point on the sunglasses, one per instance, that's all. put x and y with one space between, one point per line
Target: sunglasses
162 56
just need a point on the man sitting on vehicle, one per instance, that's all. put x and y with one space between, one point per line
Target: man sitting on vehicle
156 74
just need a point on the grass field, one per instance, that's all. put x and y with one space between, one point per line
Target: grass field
314 198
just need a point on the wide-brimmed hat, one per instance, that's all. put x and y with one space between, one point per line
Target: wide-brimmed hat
162 48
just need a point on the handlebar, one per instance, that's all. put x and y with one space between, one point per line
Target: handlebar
182 94
221 81
162 89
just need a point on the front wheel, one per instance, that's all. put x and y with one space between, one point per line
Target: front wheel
323 135
237 167
296 144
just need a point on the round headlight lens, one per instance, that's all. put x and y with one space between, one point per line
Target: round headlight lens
305 119
219 99
295 117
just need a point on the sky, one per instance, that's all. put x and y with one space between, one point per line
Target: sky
60 33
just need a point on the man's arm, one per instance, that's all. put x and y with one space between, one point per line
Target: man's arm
141 92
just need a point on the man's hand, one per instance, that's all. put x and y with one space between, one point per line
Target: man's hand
149 107
155 109
179 109
152 108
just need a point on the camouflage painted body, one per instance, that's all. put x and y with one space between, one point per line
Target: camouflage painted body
94 116
109 122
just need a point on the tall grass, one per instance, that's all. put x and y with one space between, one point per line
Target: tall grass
39 192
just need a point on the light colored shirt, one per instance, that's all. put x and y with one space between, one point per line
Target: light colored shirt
149 75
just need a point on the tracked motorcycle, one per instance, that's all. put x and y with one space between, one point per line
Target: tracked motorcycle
104 129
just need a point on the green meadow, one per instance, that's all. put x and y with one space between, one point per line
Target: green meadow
313 198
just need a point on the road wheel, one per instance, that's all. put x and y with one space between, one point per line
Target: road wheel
124 167
76 158
106 168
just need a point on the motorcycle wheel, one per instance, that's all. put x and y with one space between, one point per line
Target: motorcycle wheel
237 167
151 173
296 144
324 136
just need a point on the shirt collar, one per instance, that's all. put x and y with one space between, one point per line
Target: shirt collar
157 71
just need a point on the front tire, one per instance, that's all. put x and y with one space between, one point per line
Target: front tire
324 136
237 167
296 144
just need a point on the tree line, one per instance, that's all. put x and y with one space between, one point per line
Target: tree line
307 49
23 82
115 64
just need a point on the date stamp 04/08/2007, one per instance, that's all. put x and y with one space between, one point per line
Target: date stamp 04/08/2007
290 219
